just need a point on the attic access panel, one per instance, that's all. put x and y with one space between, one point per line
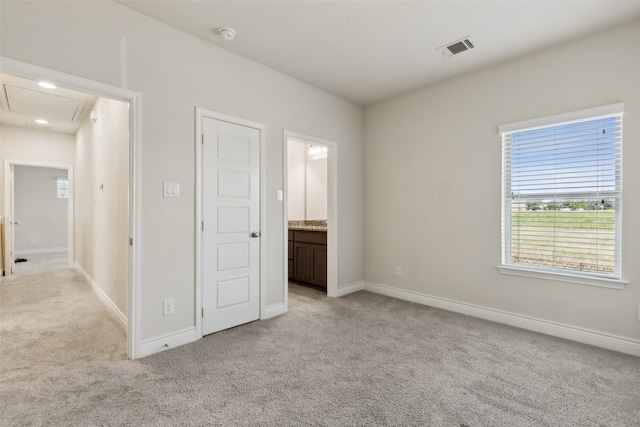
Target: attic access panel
42 104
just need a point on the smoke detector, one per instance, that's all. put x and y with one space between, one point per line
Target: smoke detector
227 33
456 47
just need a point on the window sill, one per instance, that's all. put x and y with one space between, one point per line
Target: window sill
563 277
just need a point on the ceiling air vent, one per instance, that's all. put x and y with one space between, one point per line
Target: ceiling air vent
456 47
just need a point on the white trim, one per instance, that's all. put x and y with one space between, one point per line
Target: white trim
604 110
34 72
70 218
110 306
42 251
285 219
332 211
7 219
198 227
39 165
586 336
563 277
350 288
264 232
274 310
200 113
135 225
167 341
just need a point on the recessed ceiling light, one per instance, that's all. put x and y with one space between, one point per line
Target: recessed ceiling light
42 121
47 85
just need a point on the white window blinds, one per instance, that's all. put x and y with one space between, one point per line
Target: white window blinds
562 193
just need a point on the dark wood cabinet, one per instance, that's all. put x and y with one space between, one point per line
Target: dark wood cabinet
290 253
308 257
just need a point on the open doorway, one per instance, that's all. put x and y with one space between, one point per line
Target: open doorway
310 216
98 192
43 220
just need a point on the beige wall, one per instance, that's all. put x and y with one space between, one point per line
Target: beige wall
316 188
307 183
175 73
296 179
36 146
101 199
25 145
433 181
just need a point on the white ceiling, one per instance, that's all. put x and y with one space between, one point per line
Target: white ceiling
23 101
366 51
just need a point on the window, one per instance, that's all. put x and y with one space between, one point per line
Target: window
561 199
63 188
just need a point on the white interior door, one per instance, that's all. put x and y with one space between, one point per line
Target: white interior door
231 221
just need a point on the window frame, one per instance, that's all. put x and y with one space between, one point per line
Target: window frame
614 280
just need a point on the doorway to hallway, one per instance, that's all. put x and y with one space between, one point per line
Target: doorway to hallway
97 191
43 218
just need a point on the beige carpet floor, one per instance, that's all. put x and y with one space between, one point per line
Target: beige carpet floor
360 360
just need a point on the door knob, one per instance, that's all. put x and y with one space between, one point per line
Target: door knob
255 234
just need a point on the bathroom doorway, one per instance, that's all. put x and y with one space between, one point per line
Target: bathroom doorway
310 215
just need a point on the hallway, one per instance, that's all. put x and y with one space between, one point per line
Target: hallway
38 264
50 322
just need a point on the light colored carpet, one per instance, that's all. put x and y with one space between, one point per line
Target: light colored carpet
40 263
363 359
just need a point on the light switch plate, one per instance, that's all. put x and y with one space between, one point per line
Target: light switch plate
171 189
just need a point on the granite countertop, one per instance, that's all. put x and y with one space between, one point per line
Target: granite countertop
308 225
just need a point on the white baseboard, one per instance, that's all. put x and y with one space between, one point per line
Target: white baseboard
350 288
165 342
273 311
41 251
113 309
585 336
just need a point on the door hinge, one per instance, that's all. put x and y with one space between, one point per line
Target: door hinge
202 225
130 241
202 139
202 311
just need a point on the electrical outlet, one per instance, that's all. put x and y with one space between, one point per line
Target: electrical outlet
31 240
169 307
398 271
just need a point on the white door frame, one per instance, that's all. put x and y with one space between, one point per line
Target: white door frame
332 211
200 114
134 99
9 209
7 213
